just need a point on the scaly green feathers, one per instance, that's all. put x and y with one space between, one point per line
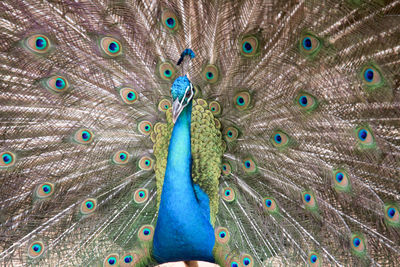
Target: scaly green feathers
206 152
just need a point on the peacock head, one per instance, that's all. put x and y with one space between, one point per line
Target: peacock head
182 94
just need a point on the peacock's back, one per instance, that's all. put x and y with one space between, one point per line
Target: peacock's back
304 93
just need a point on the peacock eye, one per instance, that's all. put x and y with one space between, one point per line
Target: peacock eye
228 194
249 46
145 127
314 259
309 201
170 20
44 190
226 168
188 93
249 166
38 43
392 216
270 205
280 139
358 244
166 71
146 232
88 206
242 100
145 163
306 102
128 95
110 47
83 136
310 44
164 105
56 84
222 235
121 157
7 159
371 76
230 134
35 249
210 73
111 260
247 260
365 137
141 195
128 259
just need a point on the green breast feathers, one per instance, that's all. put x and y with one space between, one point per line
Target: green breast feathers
207 149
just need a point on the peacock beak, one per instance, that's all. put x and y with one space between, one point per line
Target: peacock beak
177 108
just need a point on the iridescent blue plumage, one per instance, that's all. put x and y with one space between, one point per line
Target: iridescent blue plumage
183 230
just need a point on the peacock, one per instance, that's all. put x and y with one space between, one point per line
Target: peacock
241 133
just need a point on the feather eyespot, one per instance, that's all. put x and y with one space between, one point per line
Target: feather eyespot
7 159
170 20
226 168
365 137
56 84
249 46
111 260
83 136
242 100
128 95
371 75
234 263
35 249
164 105
145 127
222 235
358 245
145 163
392 216
129 259
167 71
146 232
110 47
280 139
310 44
45 190
314 259
231 134
215 108
88 206
141 195
210 73
246 260
38 43
249 166
121 157
270 205
228 194
341 181
306 102
309 200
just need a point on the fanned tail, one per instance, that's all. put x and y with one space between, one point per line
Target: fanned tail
306 94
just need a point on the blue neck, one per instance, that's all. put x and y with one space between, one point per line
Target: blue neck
183 231
180 156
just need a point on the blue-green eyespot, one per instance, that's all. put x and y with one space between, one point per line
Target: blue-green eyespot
110 47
